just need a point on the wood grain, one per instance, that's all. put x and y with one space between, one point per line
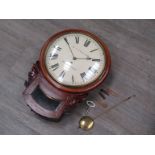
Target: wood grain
132 48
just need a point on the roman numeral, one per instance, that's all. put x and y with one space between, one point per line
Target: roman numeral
72 79
57 48
98 60
55 66
66 41
93 50
62 74
87 42
83 75
52 57
92 70
77 39
89 68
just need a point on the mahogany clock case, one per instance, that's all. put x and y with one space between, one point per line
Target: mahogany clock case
52 91
64 88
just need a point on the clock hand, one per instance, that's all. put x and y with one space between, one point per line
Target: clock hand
97 60
70 48
81 52
84 58
87 56
75 58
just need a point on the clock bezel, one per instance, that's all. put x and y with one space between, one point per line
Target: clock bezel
77 89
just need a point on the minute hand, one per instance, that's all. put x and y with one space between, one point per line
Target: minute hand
84 58
82 52
69 48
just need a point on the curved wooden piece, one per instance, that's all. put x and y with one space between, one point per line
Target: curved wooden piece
56 114
66 99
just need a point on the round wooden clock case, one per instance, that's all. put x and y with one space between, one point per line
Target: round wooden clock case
57 93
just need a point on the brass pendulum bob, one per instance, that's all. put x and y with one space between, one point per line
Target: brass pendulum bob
86 122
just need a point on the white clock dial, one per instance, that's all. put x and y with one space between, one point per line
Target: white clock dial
75 59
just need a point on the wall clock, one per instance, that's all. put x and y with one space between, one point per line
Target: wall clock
71 64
